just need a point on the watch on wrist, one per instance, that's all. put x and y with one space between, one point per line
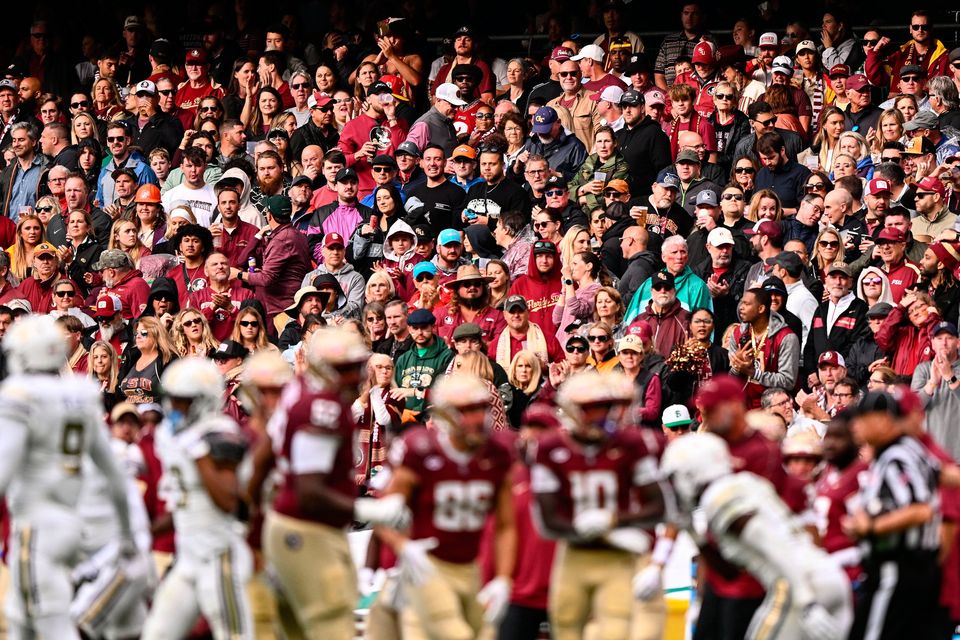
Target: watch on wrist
567 281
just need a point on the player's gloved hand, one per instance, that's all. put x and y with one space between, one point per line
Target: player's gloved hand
495 598
370 580
416 565
648 584
128 547
389 511
593 523
818 624
635 541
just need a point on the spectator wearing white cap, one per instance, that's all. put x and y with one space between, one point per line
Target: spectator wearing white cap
595 77
150 127
724 273
769 48
676 421
608 105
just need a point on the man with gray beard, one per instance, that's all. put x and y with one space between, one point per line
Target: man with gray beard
111 326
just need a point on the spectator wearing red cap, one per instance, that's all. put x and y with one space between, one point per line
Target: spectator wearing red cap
937 277
861 116
905 333
902 273
838 75
319 128
703 78
766 238
934 216
199 84
550 89
923 50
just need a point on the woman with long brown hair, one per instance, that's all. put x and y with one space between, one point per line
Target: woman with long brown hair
29 234
124 236
250 331
103 368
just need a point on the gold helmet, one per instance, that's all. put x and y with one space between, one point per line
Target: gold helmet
453 393
330 348
589 388
266 369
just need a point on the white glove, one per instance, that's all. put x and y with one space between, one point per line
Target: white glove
365 579
415 564
635 541
495 598
648 584
389 511
818 624
593 523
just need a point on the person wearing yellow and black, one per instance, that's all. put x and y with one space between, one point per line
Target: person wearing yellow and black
419 367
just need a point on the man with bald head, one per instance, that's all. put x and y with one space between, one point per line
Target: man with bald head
641 263
839 207
29 90
312 160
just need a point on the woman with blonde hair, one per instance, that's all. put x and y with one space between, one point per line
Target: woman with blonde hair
764 205
478 364
855 145
376 413
46 208
824 147
525 375
106 101
250 331
826 250
380 288
103 367
192 335
123 236
83 126
145 361
603 356
574 241
844 165
889 129
29 234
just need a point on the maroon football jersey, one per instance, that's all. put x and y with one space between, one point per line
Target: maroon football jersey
835 489
456 491
601 477
304 405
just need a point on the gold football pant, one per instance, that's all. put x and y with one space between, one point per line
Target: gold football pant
446 607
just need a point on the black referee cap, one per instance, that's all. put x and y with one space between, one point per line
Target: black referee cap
878 401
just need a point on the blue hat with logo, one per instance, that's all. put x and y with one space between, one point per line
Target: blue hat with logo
543 119
449 236
669 181
424 267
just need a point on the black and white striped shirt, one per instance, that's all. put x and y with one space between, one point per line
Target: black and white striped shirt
902 474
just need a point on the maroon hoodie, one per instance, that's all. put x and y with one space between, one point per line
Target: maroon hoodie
541 290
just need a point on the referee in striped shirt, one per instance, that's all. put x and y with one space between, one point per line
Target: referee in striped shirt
898 523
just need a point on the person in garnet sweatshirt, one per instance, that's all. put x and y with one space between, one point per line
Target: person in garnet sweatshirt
541 284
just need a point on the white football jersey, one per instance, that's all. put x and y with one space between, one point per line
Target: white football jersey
64 419
202 528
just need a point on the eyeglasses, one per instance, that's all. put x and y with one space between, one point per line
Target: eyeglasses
143 334
81 104
116 138
209 109
567 74
165 92
920 27
744 170
598 338
554 192
484 116
382 169
870 43
536 172
300 85
247 323
829 244
732 196
576 348
191 322
541 225
702 321
872 281
816 186
909 78
766 123
723 96
64 294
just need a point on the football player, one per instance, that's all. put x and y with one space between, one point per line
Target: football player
807 594
311 435
453 474
200 449
586 479
50 422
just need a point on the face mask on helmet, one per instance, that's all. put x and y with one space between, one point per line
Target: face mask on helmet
470 425
598 421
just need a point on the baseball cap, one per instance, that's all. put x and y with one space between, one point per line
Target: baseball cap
768 39
774 284
561 54
919 146
946 253
768 228
558 181
464 151
131 23
345 174
395 83
279 206
940 327
408 148
923 120
108 305
423 232
451 93
880 310
891 234
688 155
620 186
878 185
424 267
544 246
333 239
718 389
806 45
782 64
8 84
707 198
449 236
912 69
630 342
955 55
787 260
839 70
124 409
669 181
301 179
840 267
631 98
831 358
704 53
719 237
109 259
45 248
654 97
857 82
465 30
611 93
638 64
515 301
421 317
931 184
877 402
161 48
466 330
229 349
676 416
543 119
592 51
383 160
318 100
641 329
146 86
379 87
196 56
663 280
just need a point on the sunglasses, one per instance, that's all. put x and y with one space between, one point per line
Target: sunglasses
247 323
870 43
576 348
723 96
424 276
744 170
955 65
598 338
81 104
209 109
541 225
612 193
463 78
191 322
45 209
567 74
143 334
540 244
64 294
816 186
909 78
382 169
116 138
324 109
300 85
732 196
892 158
163 297
766 123
920 27
165 92
829 244
924 194
554 192
872 281
484 116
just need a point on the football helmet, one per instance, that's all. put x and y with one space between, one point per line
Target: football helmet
331 348
35 344
594 404
195 379
693 461
451 395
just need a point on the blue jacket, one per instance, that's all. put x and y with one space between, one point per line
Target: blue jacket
135 161
566 154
